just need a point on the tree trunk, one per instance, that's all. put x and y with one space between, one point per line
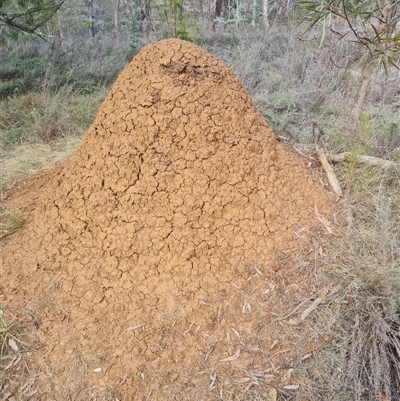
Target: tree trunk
91 18
116 19
61 33
147 9
265 12
367 76
238 16
257 12
201 8
358 108
217 12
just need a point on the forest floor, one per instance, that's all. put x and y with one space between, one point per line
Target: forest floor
314 325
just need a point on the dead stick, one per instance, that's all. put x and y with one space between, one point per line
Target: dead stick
278 353
314 305
244 392
372 161
297 307
333 181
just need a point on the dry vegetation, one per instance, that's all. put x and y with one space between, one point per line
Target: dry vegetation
356 327
362 362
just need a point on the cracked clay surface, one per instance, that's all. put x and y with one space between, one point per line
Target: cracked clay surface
140 253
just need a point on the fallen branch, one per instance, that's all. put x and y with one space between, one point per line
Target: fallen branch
333 181
372 161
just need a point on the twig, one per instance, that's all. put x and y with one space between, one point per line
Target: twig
244 392
314 305
322 219
278 353
281 138
123 379
213 378
208 353
302 154
232 357
316 347
314 296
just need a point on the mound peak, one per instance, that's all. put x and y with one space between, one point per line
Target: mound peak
145 243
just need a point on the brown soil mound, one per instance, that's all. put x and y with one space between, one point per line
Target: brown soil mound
146 254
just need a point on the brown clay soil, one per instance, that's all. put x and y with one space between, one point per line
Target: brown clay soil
147 256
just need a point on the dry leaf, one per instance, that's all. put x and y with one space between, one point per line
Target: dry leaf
246 307
123 379
383 396
187 331
231 358
210 350
321 297
288 374
31 393
315 347
320 251
14 361
269 378
321 219
244 392
258 271
134 327
13 344
213 378
278 353
237 335
292 387
272 394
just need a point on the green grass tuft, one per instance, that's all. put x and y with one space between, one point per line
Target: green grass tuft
10 222
10 339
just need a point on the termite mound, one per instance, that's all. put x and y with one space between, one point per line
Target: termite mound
156 238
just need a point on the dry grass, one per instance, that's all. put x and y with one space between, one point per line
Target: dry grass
44 116
15 341
28 159
363 360
41 129
307 92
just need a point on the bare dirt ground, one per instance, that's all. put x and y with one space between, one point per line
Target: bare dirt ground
155 259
